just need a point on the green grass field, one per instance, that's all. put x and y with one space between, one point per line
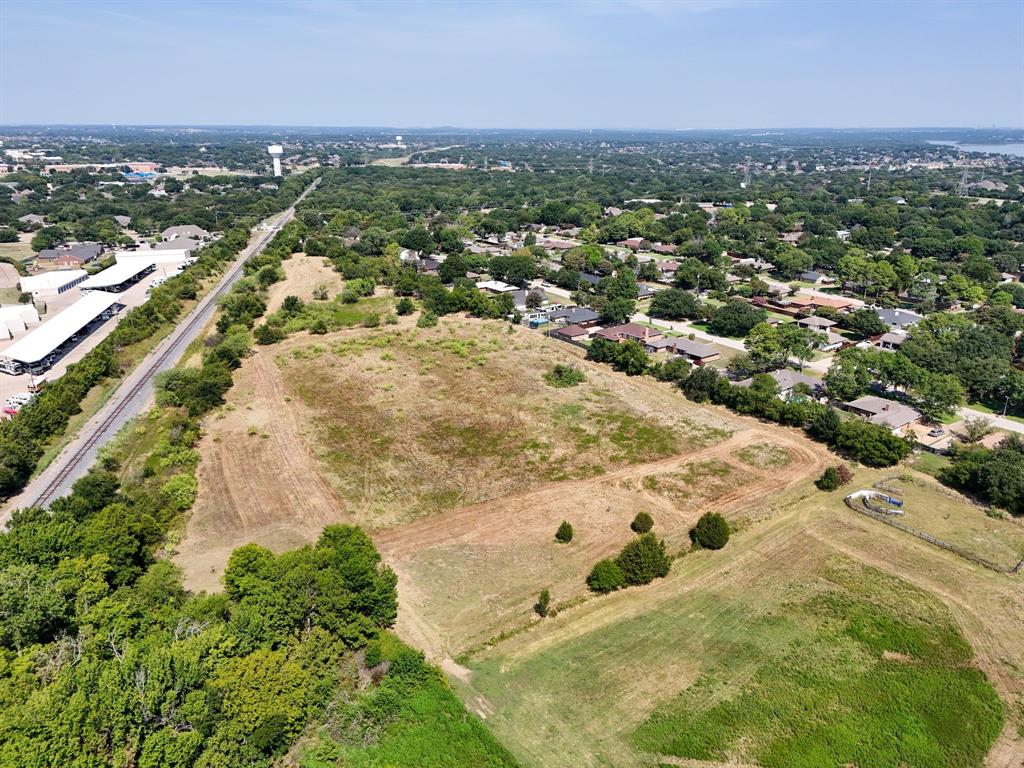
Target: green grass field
865 684
842 665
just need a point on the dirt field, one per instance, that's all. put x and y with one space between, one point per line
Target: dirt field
474 573
386 426
304 274
257 480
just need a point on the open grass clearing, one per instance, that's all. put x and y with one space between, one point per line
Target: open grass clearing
411 422
764 456
945 514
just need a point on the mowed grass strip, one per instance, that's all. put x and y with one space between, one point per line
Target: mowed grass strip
872 685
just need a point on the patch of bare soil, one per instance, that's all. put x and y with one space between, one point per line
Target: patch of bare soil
303 275
257 479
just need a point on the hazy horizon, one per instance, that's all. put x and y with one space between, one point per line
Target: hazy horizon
570 65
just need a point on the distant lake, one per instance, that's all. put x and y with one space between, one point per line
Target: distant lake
1015 150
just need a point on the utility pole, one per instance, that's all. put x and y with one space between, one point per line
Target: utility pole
961 187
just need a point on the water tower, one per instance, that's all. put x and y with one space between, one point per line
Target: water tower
276 150
398 141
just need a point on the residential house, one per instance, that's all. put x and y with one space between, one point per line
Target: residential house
74 255
666 248
898 319
817 278
633 243
787 382
520 297
891 340
644 291
791 238
32 218
571 333
681 346
495 286
815 323
888 413
123 221
581 316
589 279
629 332
842 235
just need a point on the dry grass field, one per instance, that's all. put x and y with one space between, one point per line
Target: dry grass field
448 446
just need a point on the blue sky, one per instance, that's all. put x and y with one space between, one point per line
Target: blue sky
570 64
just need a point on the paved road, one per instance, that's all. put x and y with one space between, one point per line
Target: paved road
135 393
997 421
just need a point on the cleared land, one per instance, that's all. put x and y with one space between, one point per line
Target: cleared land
303 275
449 447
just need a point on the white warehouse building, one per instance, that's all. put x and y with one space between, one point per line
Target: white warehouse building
52 283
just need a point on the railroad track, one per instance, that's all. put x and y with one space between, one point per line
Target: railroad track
197 318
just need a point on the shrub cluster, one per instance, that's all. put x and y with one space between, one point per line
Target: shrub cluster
564 376
641 561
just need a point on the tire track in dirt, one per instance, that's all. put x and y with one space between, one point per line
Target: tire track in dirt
254 487
502 520
477 519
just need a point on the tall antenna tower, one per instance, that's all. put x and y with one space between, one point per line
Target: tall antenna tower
961 187
590 166
746 175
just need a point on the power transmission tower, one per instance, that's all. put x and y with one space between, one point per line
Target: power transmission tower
961 187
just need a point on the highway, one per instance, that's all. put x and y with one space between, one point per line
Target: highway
135 394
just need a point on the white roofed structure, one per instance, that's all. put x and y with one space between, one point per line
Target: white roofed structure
33 350
119 276
15 319
154 255
52 283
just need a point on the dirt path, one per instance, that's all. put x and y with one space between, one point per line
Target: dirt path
476 520
255 464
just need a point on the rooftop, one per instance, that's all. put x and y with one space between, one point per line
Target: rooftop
45 339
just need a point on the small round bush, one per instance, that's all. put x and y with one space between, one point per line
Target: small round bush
711 532
829 480
642 523
606 577
426 320
405 306
564 532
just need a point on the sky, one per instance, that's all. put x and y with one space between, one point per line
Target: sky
672 64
